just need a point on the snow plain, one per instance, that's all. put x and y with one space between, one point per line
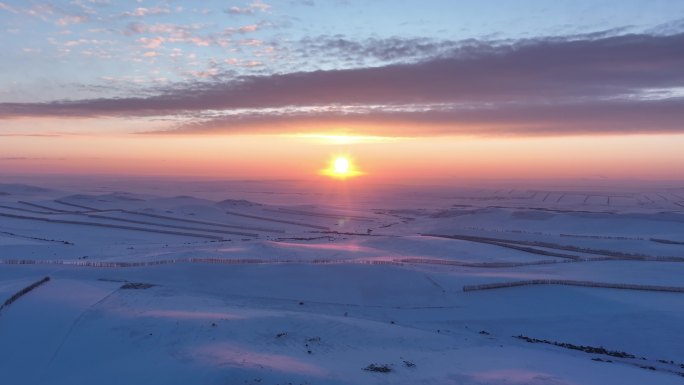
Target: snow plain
259 284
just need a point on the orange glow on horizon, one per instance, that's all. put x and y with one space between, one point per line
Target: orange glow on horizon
408 160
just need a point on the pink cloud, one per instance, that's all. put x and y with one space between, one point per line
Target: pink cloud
8 8
41 11
204 74
142 11
248 28
257 5
72 19
251 42
151 43
240 11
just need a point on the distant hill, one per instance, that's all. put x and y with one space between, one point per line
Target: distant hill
237 203
16 189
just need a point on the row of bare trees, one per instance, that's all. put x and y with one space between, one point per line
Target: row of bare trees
626 286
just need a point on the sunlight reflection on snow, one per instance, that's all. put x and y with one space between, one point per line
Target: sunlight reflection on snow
327 246
517 376
233 355
183 314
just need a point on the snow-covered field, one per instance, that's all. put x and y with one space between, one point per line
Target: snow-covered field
284 284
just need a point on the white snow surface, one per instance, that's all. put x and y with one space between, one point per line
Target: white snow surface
247 285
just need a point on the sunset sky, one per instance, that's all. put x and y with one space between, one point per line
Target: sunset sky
405 89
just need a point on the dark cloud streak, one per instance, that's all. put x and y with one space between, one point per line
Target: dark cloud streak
607 117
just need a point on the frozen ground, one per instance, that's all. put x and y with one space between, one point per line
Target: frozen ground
251 283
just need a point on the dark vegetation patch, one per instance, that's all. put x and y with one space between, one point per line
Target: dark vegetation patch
666 366
583 348
378 368
237 203
137 286
309 342
111 280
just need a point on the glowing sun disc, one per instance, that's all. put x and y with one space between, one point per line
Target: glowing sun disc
341 167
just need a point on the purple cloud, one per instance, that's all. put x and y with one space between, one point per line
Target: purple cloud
546 85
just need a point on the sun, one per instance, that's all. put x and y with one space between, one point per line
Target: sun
341 167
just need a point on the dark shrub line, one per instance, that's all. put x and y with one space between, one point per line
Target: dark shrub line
243 261
171 218
666 241
23 291
96 224
136 286
171 226
75 205
583 348
263 229
239 261
46 207
270 219
613 353
511 242
36 238
25 210
601 237
625 286
431 261
321 215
